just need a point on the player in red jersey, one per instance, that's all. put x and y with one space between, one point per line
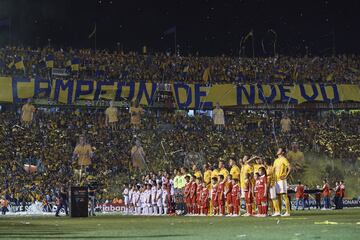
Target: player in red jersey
187 194
193 188
198 196
326 194
249 197
261 197
220 194
235 197
204 199
227 192
214 201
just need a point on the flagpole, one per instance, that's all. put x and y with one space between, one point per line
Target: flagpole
253 45
10 31
175 42
95 36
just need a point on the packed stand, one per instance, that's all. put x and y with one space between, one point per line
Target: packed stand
163 67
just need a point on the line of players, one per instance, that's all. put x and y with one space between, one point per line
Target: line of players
260 184
149 199
224 195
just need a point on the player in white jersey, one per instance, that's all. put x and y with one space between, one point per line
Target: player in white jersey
153 199
165 196
136 200
126 199
131 193
159 192
143 200
148 208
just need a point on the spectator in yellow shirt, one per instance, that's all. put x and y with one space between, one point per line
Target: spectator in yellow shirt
296 157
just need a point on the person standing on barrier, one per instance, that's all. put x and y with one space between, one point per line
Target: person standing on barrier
63 202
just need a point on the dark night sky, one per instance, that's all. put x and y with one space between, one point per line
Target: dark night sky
207 26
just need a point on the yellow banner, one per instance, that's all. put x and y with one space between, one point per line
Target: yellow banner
195 96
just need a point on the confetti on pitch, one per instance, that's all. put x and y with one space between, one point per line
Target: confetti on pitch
278 221
241 236
326 223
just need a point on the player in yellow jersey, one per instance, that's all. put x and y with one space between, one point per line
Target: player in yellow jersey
207 175
222 170
197 173
274 204
235 170
258 164
282 170
214 172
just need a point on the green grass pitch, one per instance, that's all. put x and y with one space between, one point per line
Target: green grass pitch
343 224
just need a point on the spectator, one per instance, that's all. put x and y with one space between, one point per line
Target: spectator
111 114
285 124
27 113
218 117
138 156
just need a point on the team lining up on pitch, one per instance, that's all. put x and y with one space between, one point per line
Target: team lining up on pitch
218 192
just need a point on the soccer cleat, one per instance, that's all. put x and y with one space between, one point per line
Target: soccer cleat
276 214
286 214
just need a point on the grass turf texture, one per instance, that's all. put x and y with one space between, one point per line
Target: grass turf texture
343 224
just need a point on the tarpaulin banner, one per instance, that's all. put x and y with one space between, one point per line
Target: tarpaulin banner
194 96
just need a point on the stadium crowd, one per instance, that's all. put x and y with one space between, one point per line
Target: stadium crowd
164 67
37 144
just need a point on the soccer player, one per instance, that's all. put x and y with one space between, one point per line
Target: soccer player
196 171
154 208
261 198
111 116
274 205
282 170
214 201
299 195
220 194
198 195
222 170
207 175
187 194
235 170
249 195
159 205
326 194
227 193
342 195
125 194
192 196
165 198
235 197
204 199
136 200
